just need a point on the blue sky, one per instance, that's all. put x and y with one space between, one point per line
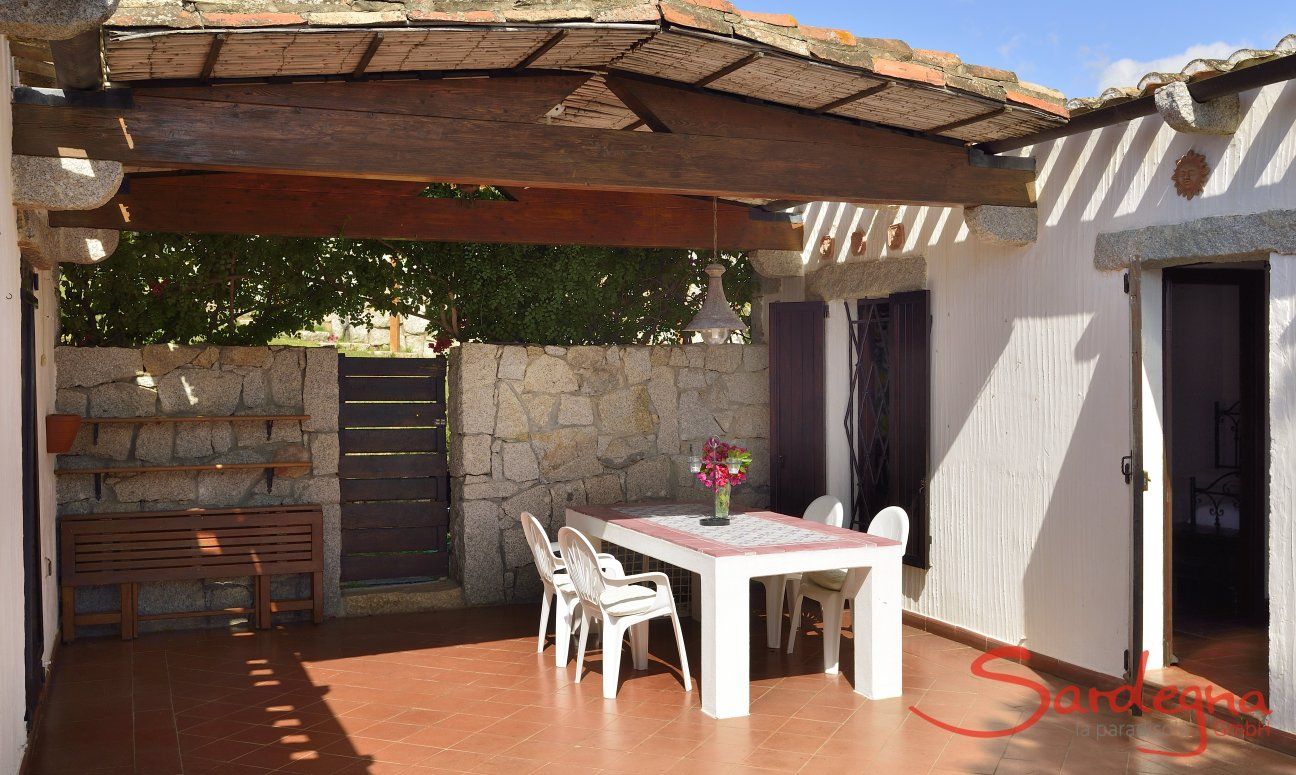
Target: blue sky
1078 46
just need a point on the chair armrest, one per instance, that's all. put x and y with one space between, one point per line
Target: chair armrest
610 566
656 577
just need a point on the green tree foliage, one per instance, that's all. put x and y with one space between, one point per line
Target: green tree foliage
248 290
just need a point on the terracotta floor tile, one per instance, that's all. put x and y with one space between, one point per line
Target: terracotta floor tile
465 692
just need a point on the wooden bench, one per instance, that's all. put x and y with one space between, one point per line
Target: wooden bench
131 548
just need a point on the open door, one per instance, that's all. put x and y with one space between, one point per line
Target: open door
33 624
1135 475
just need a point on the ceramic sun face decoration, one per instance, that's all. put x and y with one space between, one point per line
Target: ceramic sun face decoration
1190 174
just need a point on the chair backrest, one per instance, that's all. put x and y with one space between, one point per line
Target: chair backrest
582 566
891 522
541 550
826 510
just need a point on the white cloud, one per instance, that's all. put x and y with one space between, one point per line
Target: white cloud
1127 72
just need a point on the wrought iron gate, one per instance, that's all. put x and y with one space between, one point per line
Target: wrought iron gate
394 478
869 410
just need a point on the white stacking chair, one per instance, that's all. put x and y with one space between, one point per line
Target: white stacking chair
825 586
826 510
621 604
558 590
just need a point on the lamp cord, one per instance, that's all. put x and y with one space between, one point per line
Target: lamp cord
715 230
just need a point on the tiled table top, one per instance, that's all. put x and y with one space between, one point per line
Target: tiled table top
784 533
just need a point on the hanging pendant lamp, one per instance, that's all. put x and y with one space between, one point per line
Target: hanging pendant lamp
716 320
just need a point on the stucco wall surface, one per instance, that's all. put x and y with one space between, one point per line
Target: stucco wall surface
1030 377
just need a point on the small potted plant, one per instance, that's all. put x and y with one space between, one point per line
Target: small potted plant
721 466
60 432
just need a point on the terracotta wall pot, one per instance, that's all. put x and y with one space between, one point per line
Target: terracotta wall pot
60 432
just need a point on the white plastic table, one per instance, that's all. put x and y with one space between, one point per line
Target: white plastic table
762 543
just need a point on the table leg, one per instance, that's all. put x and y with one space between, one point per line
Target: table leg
878 633
695 597
726 677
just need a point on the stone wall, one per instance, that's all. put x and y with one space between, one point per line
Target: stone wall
537 429
167 381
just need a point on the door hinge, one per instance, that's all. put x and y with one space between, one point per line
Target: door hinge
1126 281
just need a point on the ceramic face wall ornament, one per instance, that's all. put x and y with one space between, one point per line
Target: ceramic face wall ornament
857 243
1190 174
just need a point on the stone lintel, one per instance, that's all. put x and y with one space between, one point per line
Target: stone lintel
867 279
1220 238
1176 105
996 225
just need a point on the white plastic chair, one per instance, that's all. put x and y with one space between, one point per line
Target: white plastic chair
621 604
826 510
825 586
558 590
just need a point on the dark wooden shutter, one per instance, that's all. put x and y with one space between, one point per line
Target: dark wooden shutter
797 433
909 433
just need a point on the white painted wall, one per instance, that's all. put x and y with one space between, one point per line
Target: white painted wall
46 338
1030 384
13 736
1282 491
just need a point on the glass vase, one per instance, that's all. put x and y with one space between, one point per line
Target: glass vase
722 501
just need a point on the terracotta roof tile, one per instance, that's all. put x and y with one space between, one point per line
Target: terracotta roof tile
219 19
828 35
1196 70
459 17
355 18
723 6
776 19
884 58
992 73
942 59
1023 97
910 71
695 17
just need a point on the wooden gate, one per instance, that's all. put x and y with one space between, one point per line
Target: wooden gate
393 472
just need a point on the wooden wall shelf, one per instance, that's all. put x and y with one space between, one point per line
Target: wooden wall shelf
193 418
98 473
194 467
268 419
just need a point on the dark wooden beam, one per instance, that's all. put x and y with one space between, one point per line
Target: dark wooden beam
856 97
715 145
298 206
755 56
374 44
213 55
76 61
962 122
541 50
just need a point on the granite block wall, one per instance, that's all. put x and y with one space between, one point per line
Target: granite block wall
168 381
538 428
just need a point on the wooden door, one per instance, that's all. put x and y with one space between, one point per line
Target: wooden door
33 561
798 472
909 437
394 478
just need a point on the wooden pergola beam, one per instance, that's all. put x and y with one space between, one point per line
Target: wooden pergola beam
716 145
298 206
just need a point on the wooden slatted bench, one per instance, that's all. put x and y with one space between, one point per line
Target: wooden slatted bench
130 548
